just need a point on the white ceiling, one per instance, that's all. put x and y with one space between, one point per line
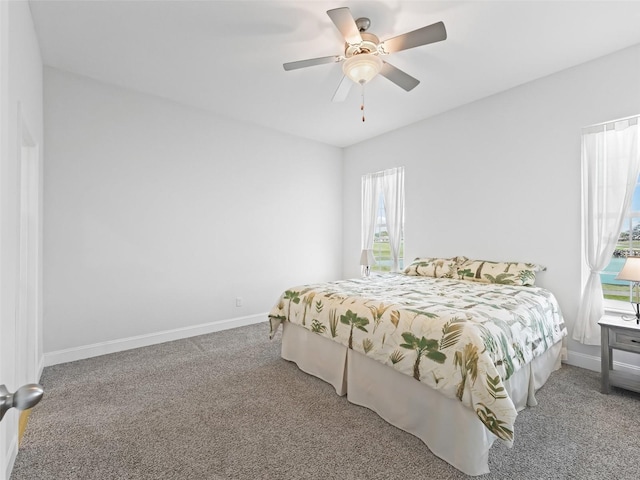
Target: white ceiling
227 56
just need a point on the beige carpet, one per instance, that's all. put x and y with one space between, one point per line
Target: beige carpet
226 406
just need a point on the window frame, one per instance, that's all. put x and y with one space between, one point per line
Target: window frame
384 183
622 306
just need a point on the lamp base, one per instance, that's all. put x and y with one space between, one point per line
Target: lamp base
635 317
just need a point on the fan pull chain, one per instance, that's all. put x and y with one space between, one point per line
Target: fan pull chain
362 105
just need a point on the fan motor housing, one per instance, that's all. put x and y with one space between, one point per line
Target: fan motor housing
369 45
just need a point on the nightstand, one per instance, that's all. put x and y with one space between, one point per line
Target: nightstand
620 335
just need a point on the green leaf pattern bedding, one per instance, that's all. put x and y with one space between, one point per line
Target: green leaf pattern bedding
461 338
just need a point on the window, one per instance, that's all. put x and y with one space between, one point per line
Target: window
383 218
381 245
628 245
610 157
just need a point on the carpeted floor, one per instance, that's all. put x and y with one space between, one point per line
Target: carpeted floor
226 406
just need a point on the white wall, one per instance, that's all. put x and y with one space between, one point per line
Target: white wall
499 178
20 103
157 216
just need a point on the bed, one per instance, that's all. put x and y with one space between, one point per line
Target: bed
448 355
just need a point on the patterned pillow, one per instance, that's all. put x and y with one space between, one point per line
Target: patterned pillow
506 273
435 267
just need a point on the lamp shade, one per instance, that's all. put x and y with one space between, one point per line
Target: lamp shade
367 258
362 67
630 270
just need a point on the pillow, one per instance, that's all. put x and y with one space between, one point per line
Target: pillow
435 267
506 273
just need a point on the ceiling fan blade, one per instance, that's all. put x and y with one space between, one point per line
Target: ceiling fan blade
311 62
343 19
422 36
397 76
343 90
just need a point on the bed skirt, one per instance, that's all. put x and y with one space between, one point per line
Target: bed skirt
450 430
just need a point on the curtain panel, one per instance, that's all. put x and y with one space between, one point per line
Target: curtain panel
610 168
370 194
393 195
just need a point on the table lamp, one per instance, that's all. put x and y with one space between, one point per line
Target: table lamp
366 260
631 272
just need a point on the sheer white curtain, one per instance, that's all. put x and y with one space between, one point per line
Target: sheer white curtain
610 168
393 194
370 194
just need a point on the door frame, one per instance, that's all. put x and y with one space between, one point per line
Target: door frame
28 300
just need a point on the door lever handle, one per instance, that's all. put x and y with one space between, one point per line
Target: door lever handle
24 398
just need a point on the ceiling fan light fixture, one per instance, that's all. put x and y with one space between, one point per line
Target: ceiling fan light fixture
362 68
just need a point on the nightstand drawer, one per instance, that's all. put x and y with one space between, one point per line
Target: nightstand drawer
623 339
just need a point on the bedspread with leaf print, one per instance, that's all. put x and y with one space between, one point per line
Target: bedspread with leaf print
461 338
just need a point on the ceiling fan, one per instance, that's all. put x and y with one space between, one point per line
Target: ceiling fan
363 52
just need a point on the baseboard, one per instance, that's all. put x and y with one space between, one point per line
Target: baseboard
113 346
40 368
582 360
591 362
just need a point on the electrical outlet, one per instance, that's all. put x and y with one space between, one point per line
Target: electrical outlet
238 301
